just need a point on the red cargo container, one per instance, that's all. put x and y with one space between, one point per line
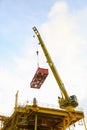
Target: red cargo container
39 78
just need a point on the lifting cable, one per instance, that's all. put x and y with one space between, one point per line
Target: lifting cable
37 52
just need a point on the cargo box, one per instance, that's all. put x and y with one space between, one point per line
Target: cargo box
39 78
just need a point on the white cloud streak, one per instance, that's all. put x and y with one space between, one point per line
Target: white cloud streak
67 45
65 36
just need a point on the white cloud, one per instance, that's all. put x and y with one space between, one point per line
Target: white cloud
66 45
59 8
8 88
65 37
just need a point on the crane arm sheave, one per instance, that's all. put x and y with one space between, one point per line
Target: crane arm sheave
51 64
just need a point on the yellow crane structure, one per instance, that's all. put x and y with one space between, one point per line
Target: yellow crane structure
36 117
66 100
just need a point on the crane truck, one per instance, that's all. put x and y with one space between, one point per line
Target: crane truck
65 101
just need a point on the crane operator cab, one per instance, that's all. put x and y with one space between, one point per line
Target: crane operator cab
64 103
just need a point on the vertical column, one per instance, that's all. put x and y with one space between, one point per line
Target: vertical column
35 128
16 101
64 124
84 124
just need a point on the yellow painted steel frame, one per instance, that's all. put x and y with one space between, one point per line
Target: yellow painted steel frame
36 118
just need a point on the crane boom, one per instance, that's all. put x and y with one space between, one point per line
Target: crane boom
67 100
51 64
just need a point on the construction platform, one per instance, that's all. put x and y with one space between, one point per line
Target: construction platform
34 117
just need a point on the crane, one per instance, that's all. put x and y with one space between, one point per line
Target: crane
65 101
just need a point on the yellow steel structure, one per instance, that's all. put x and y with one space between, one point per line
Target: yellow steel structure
66 100
35 117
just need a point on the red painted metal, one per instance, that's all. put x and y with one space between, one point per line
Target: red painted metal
39 78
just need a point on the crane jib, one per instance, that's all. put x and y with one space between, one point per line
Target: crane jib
51 64
66 100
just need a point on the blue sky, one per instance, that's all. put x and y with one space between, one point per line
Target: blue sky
67 46
16 21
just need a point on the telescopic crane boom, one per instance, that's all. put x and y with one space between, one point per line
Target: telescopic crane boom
66 100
